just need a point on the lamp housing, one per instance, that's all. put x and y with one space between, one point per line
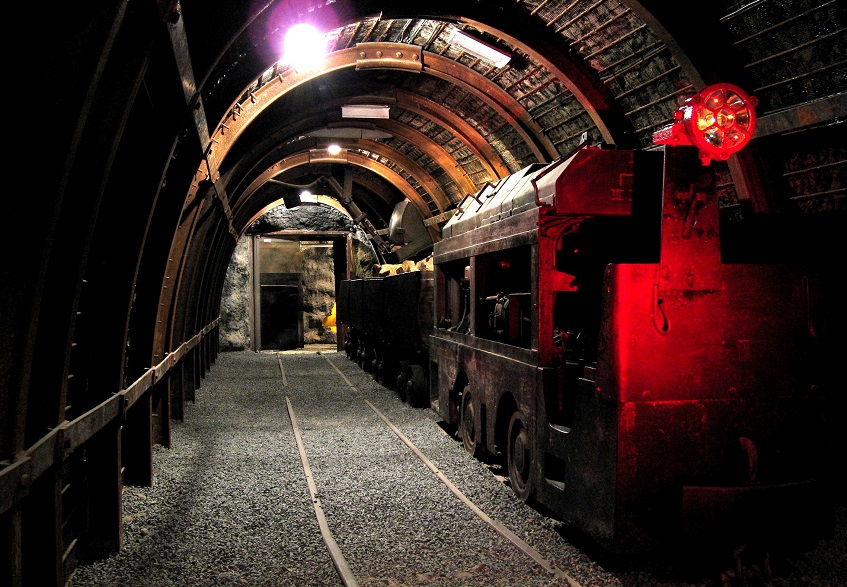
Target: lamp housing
719 121
478 48
365 111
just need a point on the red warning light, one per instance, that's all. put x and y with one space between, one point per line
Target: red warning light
719 121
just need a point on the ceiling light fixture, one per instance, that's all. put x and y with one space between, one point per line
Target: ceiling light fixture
476 47
333 149
365 111
305 47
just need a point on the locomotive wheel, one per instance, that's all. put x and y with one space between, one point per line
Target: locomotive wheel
416 390
519 457
401 384
467 424
366 358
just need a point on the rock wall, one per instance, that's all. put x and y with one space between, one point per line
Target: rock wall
318 294
234 325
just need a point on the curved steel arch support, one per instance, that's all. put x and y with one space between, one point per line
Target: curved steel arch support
488 157
376 167
418 173
580 80
496 98
243 112
369 56
307 128
411 167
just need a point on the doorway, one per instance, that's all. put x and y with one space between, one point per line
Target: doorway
278 274
295 275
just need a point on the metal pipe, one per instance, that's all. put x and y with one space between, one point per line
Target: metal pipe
741 10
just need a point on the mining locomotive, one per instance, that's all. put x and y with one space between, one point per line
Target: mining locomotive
585 329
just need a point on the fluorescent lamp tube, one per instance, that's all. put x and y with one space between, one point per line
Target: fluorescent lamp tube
365 111
476 47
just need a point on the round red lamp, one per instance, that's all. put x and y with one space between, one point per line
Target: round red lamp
719 121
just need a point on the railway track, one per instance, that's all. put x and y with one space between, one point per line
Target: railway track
294 372
402 501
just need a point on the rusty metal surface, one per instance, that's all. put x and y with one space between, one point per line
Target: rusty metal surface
17 477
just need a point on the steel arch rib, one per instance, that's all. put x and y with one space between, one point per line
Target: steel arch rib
241 113
488 157
496 98
411 167
376 167
319 121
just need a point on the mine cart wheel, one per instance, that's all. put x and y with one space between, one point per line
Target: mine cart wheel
379 373
416 389
402 378
519 457
467 424
366 354
376 367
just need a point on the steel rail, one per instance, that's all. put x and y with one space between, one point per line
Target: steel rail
334 550
498 526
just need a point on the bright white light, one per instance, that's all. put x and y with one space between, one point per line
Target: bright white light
333 149
476 47
304 47
365 111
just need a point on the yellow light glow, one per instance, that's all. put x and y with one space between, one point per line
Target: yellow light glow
329 321
705 118
726 118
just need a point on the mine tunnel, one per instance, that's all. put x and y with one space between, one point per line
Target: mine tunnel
571 182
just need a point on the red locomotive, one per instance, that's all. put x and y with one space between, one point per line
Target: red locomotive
587 330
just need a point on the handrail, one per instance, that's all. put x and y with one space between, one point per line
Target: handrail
56 446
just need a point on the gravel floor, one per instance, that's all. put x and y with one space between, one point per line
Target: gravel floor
230 503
